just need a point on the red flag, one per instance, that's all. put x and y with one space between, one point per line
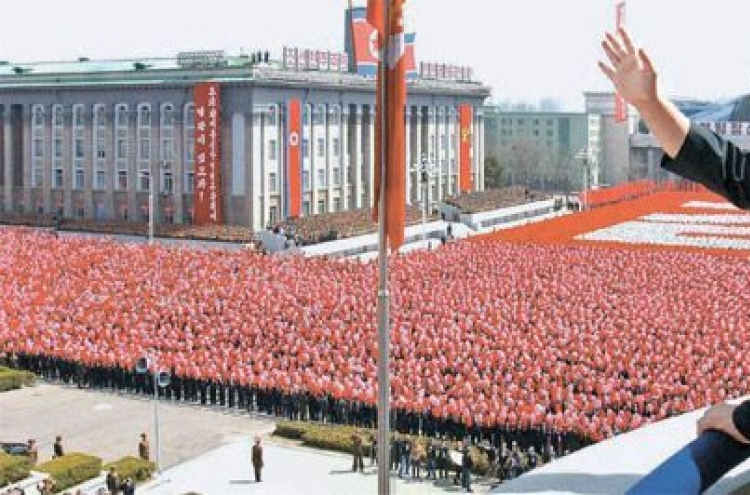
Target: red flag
376 16
395 167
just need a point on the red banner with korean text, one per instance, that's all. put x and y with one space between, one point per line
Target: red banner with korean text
621 106
294 158
207 207
465 117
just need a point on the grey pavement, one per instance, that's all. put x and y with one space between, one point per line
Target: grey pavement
288 471
204 450
108 425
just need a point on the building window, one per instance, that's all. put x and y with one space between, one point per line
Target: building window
144 147
334 117
167 132
321 147
100 180
273 115
272 183
272 215
121 115
306 148
57 178
321 206
336 176
306 180
144 143
319 115
122 180
306 208
272 150
37 178
37 146
78 183
57 116
144 114
144 180
321 178
190 182
336 204
336 147
78 116
100 147
167 182
122 134
78 147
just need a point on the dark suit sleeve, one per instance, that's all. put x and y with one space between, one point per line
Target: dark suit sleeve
741 419
715 162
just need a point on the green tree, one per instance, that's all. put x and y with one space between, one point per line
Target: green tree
494 173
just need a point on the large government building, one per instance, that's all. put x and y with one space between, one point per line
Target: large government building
239 133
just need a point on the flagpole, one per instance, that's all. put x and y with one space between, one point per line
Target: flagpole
384 385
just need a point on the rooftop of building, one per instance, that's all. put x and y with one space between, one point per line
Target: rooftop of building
187 69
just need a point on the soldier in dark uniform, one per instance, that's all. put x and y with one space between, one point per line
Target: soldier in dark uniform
257 459
443 461
57 449
358 462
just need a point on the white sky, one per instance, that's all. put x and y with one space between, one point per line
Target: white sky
525 49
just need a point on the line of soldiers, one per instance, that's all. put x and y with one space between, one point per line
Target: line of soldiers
297 405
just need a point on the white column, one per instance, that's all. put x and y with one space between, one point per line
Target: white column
439 152
418 134
8 160
344 159
356 152
331 161
178 163
312 163
26 170
370 153
409 157
257 192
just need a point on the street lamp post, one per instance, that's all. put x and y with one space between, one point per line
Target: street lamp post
583 156
426 170
161 379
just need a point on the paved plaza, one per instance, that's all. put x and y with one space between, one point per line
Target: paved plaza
204 450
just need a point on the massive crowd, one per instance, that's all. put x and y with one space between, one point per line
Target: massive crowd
493 199
338 225
512 338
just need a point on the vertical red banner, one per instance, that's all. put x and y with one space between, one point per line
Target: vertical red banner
207 207
465 117
621 106
394 180
294 158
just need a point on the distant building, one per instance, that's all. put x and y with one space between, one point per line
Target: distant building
631 152
545 150
292 136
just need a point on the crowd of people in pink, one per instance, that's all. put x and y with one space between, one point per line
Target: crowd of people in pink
582 340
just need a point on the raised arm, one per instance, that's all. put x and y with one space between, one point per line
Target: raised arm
633 74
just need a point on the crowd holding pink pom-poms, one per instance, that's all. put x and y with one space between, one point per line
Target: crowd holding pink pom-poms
579 340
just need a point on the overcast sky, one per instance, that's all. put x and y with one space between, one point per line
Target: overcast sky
525 49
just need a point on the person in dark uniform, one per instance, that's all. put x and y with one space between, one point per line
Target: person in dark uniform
358 463
692 152
257 459
57 449
113 481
